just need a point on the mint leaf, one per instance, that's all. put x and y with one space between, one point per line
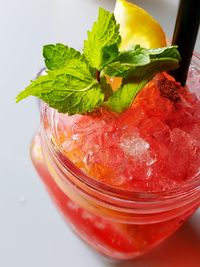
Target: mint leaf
131 63
127 60
70 90
123 98
102 44
57 56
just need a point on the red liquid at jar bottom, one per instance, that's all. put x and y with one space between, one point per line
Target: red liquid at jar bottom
113 239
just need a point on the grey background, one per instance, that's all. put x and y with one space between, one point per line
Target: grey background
32 232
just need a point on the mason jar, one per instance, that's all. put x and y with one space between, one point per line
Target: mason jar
117 223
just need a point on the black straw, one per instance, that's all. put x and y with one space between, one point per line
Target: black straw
185 34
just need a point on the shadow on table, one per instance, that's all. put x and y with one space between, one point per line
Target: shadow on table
180 250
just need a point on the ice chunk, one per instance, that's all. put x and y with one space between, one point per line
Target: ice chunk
85 126
134 146
193 81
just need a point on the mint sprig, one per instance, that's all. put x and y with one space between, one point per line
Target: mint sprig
77 83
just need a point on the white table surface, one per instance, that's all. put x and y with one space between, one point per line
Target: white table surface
32 233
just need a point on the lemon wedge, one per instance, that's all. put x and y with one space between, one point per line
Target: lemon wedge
138 27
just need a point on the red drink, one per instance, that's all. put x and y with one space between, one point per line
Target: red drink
125 181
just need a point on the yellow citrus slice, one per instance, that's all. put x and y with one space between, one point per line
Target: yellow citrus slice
138 27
